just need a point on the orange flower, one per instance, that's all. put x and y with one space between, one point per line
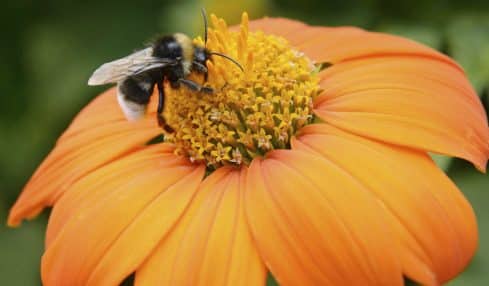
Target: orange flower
321 177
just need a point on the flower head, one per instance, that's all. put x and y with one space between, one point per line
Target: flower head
320 176
250 112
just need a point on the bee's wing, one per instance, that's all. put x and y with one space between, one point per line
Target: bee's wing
133 64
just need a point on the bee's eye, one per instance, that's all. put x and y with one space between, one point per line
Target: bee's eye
200 55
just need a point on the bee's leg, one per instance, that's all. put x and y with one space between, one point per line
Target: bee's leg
192 85
161 106
200 68
161 97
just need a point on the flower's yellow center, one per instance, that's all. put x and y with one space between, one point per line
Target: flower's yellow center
249 113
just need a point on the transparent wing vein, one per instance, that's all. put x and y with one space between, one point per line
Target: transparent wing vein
131 65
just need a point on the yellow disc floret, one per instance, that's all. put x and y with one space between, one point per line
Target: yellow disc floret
249 113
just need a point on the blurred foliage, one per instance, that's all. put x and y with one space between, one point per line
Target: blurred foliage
49 49
475 187
468 42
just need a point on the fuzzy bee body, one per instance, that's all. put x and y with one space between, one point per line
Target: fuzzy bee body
171 58
133 95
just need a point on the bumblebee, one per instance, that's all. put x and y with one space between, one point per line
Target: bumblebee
170 58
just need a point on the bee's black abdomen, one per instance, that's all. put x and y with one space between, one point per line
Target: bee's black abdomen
137 90
167 47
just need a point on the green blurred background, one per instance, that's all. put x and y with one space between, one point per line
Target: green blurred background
49 49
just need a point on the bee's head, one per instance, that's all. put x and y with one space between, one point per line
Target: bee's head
201 55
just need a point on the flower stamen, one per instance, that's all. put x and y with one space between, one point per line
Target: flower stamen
250 112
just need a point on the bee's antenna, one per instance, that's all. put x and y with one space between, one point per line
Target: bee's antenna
229 58
204 15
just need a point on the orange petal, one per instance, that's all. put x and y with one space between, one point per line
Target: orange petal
314 225
337 44
416 102
98 135
434 224
91 188
108 214
143 235
211 244
277 26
